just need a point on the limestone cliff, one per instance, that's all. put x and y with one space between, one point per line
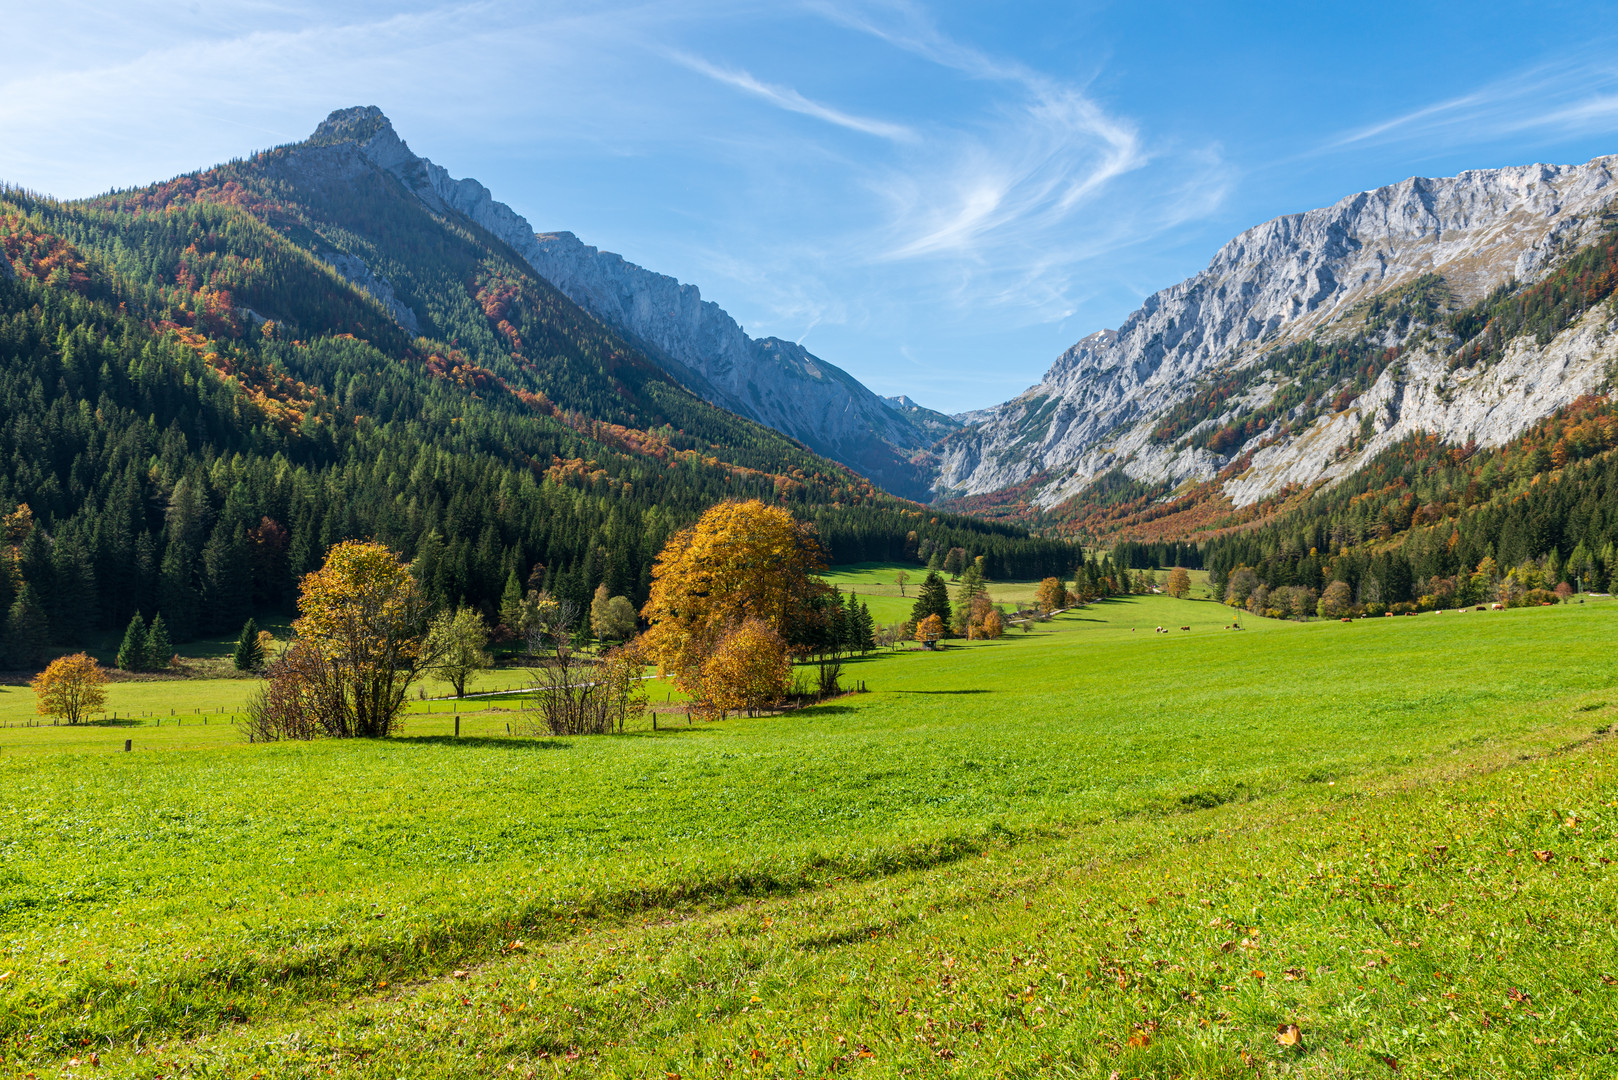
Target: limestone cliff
1294 278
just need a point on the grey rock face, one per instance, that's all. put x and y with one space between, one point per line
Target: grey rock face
1275 284
775 382
353 269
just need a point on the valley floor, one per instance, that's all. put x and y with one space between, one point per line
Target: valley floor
1088 850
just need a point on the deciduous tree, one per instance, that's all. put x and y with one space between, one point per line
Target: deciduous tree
1051 595
362 639
740 561
1179 585
933 599
749 670
457 639
1335 601
71 688
929 630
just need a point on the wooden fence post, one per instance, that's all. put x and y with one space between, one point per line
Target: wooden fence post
127 744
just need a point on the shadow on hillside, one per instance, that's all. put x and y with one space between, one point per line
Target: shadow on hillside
975 690
485 742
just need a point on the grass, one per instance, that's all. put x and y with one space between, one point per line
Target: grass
1010 858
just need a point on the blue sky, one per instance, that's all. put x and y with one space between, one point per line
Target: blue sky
939 198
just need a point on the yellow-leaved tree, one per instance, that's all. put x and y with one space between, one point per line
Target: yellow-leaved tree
929 630
360 640
749 670
1051 596
71 688
740 561
1179 585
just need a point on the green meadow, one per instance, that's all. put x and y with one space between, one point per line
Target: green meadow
1083 850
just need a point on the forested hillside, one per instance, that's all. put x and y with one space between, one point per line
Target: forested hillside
206 383
1434 525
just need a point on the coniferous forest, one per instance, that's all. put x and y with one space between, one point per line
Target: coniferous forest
195 405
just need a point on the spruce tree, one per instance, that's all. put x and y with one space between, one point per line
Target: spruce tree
932 600
249 655
27 630
159 646
511 604
132 653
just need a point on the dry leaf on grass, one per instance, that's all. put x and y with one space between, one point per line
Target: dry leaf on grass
1288 1035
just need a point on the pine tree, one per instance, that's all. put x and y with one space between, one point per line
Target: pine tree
511 604
132 653
27 630
159 646
933 599
249 654
971 587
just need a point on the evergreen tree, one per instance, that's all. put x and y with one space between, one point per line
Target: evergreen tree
176 593
159 646
971 587
933 599
511 604
249 653
132 653
27 630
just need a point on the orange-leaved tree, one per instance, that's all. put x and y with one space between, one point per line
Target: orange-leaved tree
1052 595
71 688
740 561
360 641
749 669
929 630
1179 585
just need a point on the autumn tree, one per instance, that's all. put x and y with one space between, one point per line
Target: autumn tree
992 625
749 670
929 630
360 641
71 688
1051 595
457 640
900 578
1179 585
740 561
1335 601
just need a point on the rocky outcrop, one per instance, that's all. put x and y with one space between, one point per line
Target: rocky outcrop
352 269
1279 283
775 382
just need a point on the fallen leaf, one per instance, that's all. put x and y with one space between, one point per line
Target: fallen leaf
1390 1062
1289 1035
1294 974
1259 975
1140 1039
1515 994
459 973
1544 856
1607 979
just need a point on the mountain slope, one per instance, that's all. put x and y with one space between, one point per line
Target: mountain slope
775 382
205 383
1235 347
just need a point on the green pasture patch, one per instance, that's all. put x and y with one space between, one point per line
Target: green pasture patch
156 897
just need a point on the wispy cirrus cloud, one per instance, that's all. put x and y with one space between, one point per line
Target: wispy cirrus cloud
785 97
1576 95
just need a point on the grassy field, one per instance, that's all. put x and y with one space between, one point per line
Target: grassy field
1085 849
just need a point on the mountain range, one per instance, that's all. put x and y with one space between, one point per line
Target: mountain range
206 382
1216 379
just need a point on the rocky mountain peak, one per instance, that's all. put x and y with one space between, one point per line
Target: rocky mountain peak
1292 279
358 124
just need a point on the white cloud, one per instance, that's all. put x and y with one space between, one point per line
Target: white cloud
792 101
1574 96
